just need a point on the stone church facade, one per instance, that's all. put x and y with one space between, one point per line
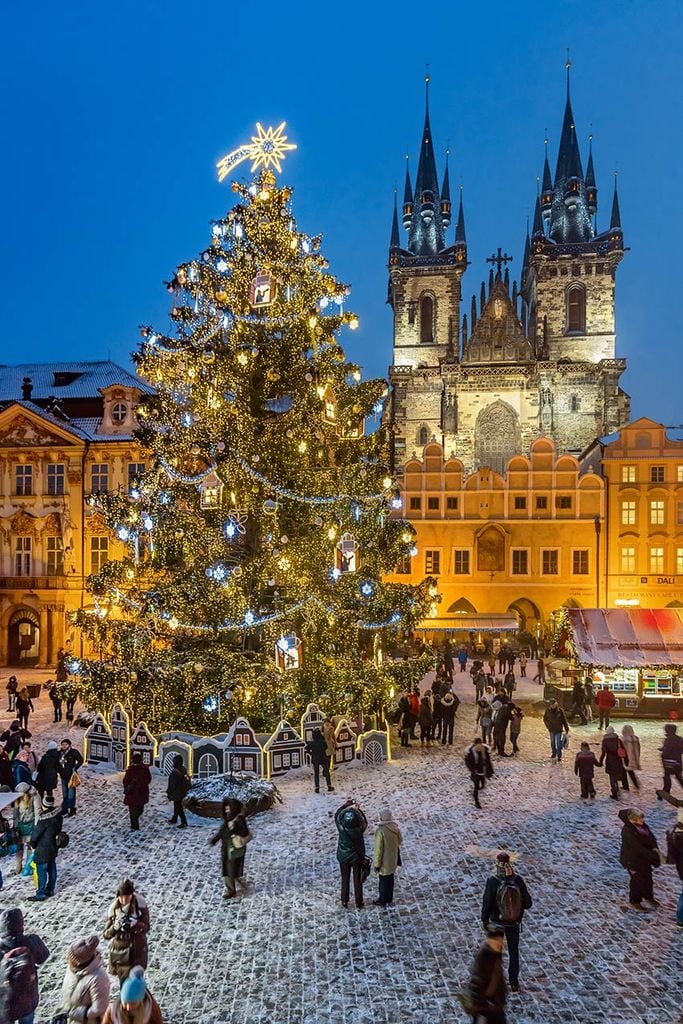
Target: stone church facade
518 362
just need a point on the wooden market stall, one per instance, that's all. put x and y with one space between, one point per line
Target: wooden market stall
637 652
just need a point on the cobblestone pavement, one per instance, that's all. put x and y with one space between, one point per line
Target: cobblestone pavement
289 953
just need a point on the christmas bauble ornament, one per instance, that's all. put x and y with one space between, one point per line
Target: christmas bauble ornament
133 677
179 534
270 506
318 521
198 667
221 446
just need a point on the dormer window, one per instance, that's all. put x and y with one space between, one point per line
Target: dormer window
119 412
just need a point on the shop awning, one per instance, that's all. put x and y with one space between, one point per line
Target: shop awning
476 621
627 637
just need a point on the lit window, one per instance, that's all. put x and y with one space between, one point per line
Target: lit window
657 474
628 559
549 562
55 478
99 553
580 562
628 513
656 513
679 474
432 563
99 477
119 412
433 504
55 556
461 563
679 561
656 559
24 480
679 513
520 562
520 503
628 474
22 556
135 472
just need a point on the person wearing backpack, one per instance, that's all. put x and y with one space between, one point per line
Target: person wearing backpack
506 897
127 926
179 784
233 836
86 986
45 848
20 956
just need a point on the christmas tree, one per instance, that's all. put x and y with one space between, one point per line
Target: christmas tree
257 538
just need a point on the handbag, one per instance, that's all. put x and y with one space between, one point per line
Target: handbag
74 781
621 751
366 867
61 840
60 1018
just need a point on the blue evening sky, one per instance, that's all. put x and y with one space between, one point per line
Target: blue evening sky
115 114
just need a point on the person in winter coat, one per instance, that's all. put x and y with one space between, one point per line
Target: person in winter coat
45 849
585 764
485 718
448 662
6 779
631 745
13 738
317 749
540 672
510 683
86 985
136 783
523 658
613 756
556 723
330 738
479 683
414 700
478 762
501 720
135 1004
21 768
70 691
462 658
24 707
425 718
387 856
672 757
12 687
127 926
604 701
506 897
21 1001
48 770
436 712
579 701
639 854
449 706
589 697
70 760
31 759
487 982
179 784
675 847
233 835
516 716
27 810
406 722
351 824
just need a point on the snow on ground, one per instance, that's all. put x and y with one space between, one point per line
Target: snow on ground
289 953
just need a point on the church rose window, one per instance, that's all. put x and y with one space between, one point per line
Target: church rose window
426 320
576 308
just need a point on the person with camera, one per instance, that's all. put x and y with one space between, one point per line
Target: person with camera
351 824
127 926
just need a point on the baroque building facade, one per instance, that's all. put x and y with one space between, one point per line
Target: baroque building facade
66 430
519 361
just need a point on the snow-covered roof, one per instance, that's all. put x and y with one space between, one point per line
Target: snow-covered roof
627 637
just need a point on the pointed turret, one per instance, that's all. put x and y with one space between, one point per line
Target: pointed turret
615 219
426 227
570 217
460 239
395 242
407 200
591 189
546 188
446 198
568 156
474 311
537 228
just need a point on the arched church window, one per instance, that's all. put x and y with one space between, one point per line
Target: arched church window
423 436
426 320
576 308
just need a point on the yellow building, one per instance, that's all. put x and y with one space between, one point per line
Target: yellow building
517 546
65 431
643 470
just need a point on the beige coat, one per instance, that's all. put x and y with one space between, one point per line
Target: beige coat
330 739
631 745
85 992
388 841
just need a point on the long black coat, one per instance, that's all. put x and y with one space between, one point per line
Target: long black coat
136 783
614 765
317 748
178 784
487 982
351 824
638 847
44 836
48 771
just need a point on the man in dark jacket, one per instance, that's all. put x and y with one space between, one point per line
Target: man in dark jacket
70 760
585 764
449 705
19 1002
48 770
675 847
672 757
487 983
179 784
478 761
45 849
317 748
136 783
556 723
506 897
639 855
351 824
501 719
13 738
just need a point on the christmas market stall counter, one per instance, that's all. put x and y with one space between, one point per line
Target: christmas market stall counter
636 652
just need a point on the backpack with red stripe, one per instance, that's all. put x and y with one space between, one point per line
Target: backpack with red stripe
18 984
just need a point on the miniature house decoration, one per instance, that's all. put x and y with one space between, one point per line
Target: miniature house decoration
347 554
345 750
373 747
242 751
288 652
210 491
171 745
119 723
97 742
143 742
283 751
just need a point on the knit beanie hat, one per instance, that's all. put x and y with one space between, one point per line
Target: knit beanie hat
386 815
52 745
134 988
82 952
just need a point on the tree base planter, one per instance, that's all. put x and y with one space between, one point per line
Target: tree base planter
206 797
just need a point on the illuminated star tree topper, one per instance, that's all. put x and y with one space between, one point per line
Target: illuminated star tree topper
266 149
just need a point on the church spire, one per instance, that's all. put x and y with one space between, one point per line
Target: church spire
460 226
446 197
591 189
615 219
568 156
537 228
395 242
426 226
407 199
568 216
546 186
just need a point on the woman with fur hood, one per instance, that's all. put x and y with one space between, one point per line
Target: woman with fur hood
26 813
86 986
135 1004
127 926
387 856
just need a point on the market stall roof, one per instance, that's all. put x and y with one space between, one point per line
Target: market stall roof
480 622
627 637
